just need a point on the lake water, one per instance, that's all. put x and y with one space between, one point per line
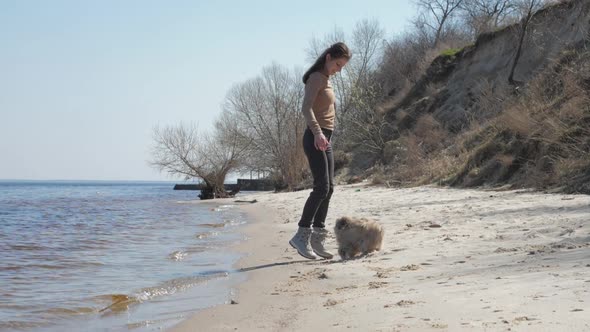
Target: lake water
110 256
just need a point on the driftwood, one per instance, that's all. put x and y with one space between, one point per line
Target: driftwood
209 193
245 201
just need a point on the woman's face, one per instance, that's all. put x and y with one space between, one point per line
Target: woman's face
334 65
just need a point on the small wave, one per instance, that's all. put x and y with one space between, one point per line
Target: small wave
14 306
55 266
197 249
205 264
178 285
222 208
204 235
32 266
225 223
11 268
177 255
214 225
234 222
187 202
147 323
93 244
70 311
20 325
26 247
117 303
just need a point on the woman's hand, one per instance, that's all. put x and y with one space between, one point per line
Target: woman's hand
320 142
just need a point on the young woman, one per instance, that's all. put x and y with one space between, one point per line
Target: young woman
319 112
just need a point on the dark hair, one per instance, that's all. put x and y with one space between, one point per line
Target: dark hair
336 51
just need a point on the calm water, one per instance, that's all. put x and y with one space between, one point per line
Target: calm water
98 256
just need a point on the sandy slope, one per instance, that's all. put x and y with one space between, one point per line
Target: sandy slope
454 260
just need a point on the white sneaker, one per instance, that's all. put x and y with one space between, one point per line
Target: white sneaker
301 242
318 239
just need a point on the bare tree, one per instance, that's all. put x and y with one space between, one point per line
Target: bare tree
367 42
370 129
356 86
436 15
267 113
318 45
486 15
526 10
182 151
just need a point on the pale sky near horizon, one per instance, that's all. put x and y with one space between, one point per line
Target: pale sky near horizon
83 83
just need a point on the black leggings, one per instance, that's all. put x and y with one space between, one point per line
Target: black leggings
322 169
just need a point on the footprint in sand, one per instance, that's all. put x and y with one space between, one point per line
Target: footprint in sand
411 267
382 273
402 303
317 273
500 250
331 303
377 284
523 319
439 326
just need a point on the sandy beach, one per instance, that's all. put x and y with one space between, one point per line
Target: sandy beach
453 260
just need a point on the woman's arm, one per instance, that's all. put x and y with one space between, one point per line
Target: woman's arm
312 88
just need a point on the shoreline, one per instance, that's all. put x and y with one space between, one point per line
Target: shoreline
252 263
453 260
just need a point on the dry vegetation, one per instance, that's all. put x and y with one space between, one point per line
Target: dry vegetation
542 137
533 134
538 137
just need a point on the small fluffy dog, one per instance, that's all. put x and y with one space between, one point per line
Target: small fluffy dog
356 236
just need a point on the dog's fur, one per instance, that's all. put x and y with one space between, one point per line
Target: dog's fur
357 235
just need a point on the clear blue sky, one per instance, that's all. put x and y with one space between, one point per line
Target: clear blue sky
82 83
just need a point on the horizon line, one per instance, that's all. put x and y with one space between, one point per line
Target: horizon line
83 180
103 180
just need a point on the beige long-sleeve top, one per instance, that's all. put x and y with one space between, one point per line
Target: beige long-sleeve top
318 103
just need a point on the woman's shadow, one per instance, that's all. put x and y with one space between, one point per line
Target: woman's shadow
265 266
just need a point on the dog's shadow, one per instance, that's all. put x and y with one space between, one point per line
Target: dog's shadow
359 257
